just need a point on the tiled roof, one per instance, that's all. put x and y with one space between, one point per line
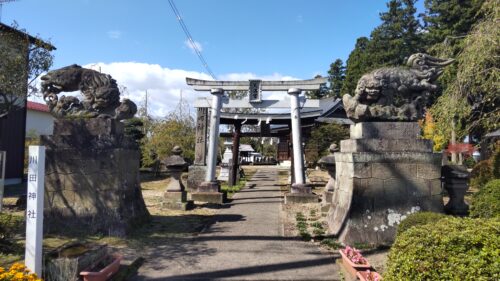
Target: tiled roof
37 106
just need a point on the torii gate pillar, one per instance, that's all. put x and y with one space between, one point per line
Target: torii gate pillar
209 190
300 191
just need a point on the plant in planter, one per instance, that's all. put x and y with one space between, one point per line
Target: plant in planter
368 275
353 261
106 268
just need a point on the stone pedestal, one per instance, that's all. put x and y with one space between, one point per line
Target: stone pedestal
196 175
384 173
208 192
176 200
328 162
92 178
456 184
300 193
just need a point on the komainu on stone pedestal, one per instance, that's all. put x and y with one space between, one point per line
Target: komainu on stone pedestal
92 178
384 173
395 93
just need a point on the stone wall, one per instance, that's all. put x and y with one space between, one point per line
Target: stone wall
384 173
92 177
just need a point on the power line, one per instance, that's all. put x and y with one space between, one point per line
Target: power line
190 39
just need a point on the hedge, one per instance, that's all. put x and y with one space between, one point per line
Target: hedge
419 218
486 202
452 249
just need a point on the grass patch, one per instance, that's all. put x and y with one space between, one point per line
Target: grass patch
300 217
302 226
312 213
318 232
231 190
317 224
331 243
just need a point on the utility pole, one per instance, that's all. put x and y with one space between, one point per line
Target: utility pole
180 104
146 105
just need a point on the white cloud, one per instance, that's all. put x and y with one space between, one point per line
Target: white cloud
164 85
192 45
114 34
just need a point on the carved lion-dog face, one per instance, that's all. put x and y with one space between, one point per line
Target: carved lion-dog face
66 79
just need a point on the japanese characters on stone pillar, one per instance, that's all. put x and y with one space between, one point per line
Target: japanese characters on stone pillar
34 209
201 136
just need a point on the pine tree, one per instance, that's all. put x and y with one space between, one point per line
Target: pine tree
390 44
449 19
397 37
357 65
336 77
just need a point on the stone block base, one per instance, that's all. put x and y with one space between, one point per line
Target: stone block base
92 178
209 197
209 186
383 174
298 198
301 188
385 130
176 200
327 197
326 201
196 175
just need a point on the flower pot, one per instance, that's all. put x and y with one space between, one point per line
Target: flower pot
351 267
368 276
105 273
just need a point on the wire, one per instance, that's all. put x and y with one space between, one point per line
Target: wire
190 39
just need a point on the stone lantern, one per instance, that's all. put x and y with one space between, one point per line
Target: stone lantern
456 179
175 197
328 162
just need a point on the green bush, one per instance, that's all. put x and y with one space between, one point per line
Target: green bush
481 174
419 218
305 235
496 163
486 202
469 162
9 225
453 249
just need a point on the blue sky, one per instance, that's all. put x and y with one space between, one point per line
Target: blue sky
140 43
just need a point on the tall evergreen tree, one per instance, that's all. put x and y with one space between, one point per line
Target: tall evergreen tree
357 65
397 37
449 19
336 77
390 44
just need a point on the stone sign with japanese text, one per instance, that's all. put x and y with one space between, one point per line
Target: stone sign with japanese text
34 209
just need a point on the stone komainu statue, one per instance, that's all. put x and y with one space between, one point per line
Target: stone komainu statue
395 93
100 92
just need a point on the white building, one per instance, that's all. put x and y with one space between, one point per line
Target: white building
38 119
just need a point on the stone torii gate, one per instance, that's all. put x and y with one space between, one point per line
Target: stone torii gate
209 189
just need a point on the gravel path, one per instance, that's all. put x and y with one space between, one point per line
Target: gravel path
246 243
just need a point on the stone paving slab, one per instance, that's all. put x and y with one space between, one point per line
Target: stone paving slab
246 243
